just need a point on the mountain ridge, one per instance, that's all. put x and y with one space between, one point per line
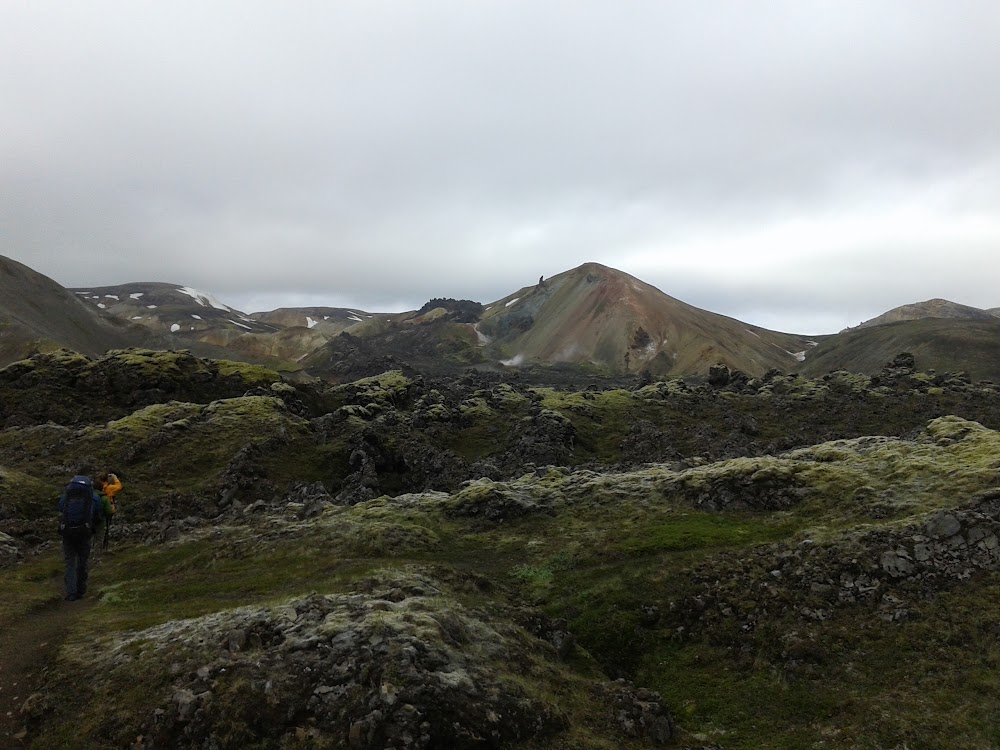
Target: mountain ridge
592 319
39 314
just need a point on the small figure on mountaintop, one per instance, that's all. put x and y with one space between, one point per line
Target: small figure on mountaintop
107 486
79 510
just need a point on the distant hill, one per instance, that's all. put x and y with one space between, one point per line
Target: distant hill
37 314
932 308
187 318
942 344
328 321
170 308
195 319
438 338
597 316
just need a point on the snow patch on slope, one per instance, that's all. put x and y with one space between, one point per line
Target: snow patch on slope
204 299
310 322
512 301
175 328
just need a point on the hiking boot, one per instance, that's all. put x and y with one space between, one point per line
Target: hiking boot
71 597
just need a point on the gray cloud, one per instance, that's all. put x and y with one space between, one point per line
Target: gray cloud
791 164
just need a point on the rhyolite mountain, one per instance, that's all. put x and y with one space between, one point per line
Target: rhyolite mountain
592 318
595 315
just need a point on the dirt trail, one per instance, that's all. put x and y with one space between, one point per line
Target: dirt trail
27 646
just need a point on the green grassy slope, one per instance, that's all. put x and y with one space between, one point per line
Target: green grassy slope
937 344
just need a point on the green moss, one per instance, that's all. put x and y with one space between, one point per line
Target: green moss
356 411
389 389
142 423
250 374
29 495
504 397
475 409
392 380
601 420
699 531
664 389
380 528
947 430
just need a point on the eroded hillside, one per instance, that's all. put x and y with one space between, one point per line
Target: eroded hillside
479 562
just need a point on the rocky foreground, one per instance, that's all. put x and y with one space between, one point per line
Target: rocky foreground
395 562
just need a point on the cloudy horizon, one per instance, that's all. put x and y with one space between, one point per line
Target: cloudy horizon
798 166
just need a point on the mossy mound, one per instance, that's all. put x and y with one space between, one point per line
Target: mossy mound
173 455
398 659
68 388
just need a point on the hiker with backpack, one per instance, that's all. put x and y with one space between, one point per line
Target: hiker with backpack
107 486
79 510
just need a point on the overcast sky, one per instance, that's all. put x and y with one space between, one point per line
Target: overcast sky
801 165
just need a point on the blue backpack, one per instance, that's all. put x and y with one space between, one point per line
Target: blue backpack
77 519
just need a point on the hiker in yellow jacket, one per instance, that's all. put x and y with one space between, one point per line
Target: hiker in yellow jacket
108 485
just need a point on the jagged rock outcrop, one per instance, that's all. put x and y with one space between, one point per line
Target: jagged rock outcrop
646 443
9 553
639 712
882 569
309 499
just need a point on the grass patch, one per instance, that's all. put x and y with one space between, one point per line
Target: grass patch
30 585
695 531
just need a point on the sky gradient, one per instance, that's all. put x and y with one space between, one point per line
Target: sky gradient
799 166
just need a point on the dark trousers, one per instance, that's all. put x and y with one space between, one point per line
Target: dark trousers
76 553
